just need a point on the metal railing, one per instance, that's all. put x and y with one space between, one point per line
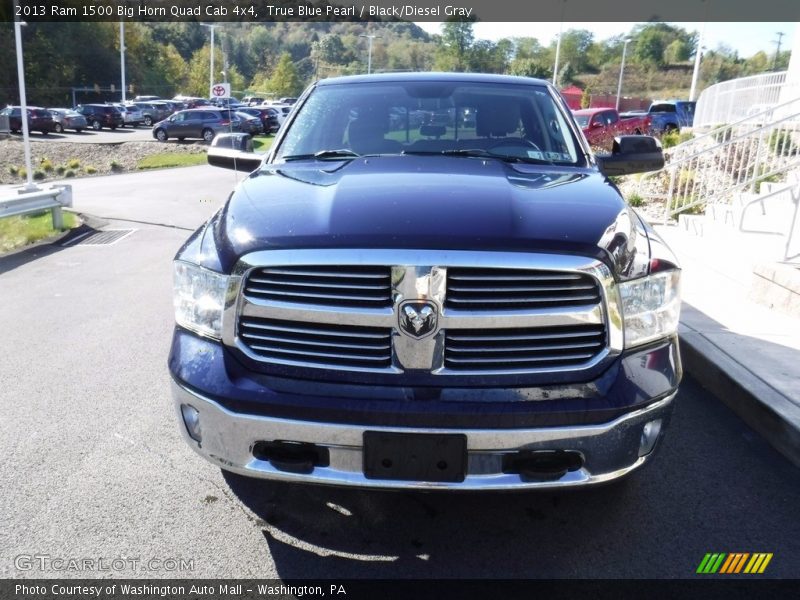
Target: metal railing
725 168
25 201
737 99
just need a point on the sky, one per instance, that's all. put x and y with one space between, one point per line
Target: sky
746 38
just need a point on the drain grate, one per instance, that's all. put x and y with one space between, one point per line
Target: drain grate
105 237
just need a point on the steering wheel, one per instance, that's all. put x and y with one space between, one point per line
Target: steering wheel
518 142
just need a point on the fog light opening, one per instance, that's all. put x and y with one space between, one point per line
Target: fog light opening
191 419
650 433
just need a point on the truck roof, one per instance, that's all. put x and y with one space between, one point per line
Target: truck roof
455 77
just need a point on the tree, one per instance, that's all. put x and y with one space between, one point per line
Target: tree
455 45
285 80
676 52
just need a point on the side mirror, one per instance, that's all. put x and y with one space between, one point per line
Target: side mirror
234 151
632 154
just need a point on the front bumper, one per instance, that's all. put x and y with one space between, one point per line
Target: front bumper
609 450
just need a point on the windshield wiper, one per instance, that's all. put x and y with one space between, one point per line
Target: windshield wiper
480 153
324 155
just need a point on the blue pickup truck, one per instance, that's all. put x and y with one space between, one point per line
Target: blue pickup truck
467 303
667 115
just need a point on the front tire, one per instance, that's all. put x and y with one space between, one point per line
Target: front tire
148 121
208 135
161 135
97 126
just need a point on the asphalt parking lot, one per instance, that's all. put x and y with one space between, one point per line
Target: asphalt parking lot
94 465
89 136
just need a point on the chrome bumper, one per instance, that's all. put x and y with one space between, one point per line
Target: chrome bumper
609 450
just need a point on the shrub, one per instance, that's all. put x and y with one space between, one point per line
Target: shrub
685 137
782 144
668 140
22 172
69 173
38 175
13 170
635 200
115 166
685 178
721 134
73 164
90 170
60 169
46 165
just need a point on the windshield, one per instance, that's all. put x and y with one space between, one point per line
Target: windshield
582 121
505 120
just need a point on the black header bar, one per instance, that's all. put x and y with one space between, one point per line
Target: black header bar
409 10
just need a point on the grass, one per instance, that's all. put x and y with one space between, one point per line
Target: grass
171 159
16 232
262 143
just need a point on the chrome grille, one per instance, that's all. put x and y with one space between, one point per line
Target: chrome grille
498 289
322 285
291 342
523 349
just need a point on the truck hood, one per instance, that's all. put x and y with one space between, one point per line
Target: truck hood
422 202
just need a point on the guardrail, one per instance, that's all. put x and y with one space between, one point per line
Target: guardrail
38 199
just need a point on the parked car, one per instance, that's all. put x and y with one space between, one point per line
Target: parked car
283 110
190 102
226 102
131 114
437 308
268 117
66 118
288 101
249 123
39 119
151 113
101 115
669 115
602 125
146 98
252 100
202 123
166 107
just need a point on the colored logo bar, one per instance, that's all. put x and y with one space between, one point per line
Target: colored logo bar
734 563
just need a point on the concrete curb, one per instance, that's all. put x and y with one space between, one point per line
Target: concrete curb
757 403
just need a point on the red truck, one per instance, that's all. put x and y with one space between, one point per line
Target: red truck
602 125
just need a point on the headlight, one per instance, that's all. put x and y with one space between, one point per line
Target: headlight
650 307
199 298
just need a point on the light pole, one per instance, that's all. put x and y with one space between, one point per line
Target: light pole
23 101
212 27
697 55
558 42
369 55
558 51
122 56
622 69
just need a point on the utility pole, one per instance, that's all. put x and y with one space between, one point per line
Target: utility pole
777 43
122 56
